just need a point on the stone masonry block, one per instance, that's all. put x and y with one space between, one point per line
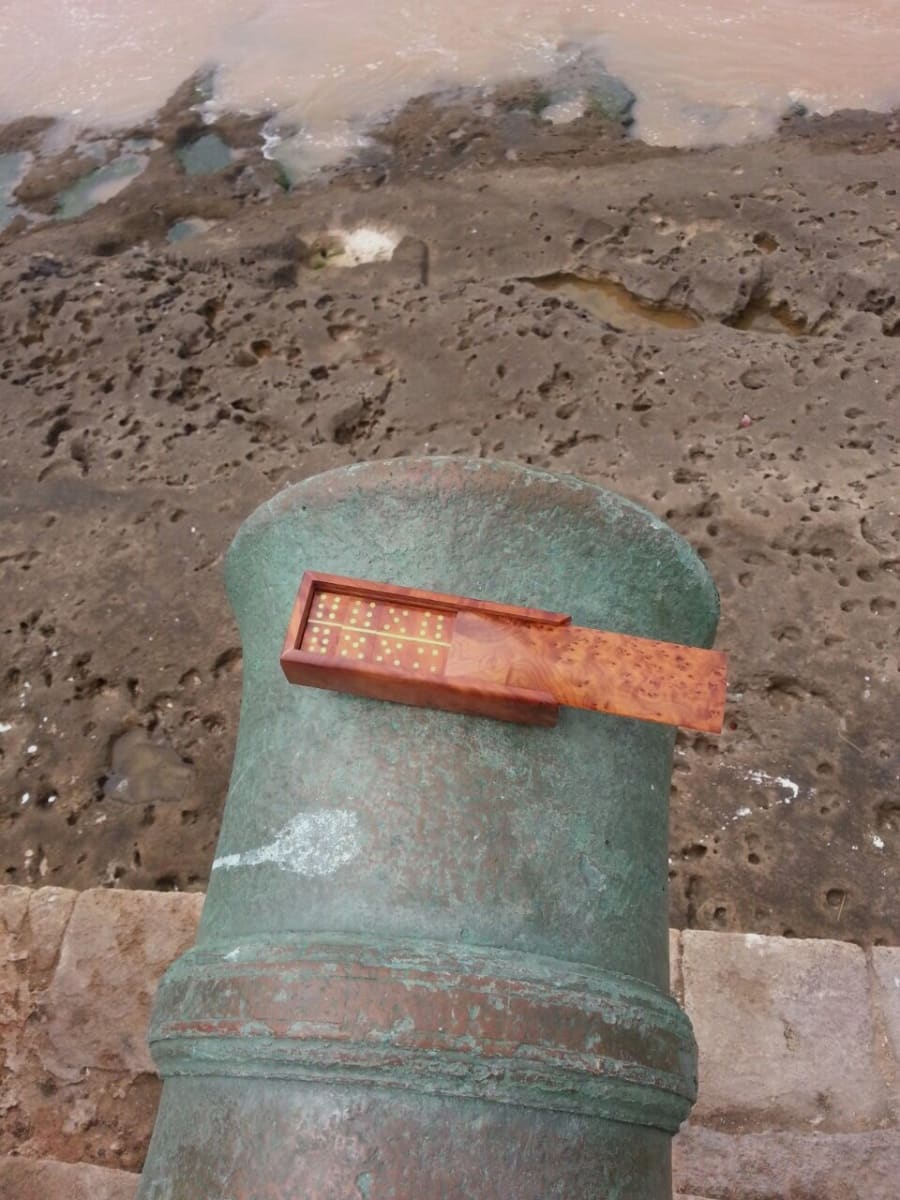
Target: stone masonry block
786 1033
49 911
44 1179
788 1166
55 1102
13 911
13 907
886 964
32 923
116 947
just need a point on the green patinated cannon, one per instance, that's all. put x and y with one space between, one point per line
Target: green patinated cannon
433 958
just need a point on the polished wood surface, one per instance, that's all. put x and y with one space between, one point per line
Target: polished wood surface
399 634
589 668
474 656
391 643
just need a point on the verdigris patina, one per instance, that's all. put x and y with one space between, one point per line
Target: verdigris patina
433 959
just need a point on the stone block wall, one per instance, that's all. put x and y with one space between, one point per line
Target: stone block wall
799 1049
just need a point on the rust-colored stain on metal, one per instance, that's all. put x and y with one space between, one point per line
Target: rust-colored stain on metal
485 659
451 1024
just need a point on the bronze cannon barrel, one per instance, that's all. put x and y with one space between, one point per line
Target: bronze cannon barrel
433 958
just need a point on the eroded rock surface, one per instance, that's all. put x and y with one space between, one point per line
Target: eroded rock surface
153 394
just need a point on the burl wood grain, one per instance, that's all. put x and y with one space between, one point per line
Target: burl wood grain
485 659
589 668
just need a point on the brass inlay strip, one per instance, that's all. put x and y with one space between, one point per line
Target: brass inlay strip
378 633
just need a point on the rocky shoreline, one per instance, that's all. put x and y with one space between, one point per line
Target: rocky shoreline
713 333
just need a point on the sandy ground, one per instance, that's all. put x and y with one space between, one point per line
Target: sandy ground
731 363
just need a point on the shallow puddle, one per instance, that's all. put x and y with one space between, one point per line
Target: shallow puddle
205 156
613 303
99 186
13 168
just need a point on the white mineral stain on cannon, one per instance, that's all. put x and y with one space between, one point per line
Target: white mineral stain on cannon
313 844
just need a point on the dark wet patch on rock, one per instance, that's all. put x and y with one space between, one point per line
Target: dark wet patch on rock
205 156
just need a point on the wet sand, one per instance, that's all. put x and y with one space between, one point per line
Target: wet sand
713 333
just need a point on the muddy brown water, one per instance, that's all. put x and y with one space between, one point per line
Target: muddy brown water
614 304
702 73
